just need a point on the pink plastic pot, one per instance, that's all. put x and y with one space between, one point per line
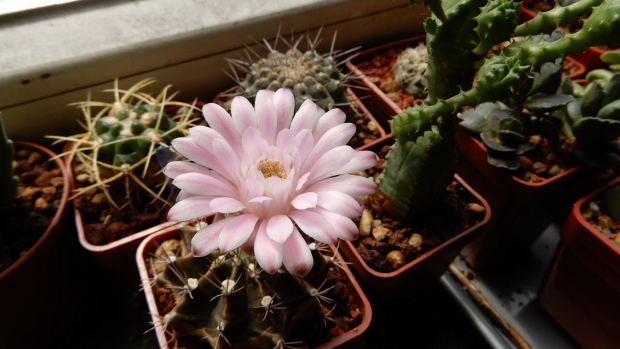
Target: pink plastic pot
351 339
582 285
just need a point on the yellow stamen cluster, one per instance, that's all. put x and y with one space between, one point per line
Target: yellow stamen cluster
271 168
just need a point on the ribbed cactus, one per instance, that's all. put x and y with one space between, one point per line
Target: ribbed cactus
308 74
409 69
8 179
224 300
116 150
464 70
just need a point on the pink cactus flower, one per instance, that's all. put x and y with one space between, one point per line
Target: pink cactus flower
274 174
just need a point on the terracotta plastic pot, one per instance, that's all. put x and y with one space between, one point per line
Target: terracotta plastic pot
375 100
351 339
37 291
582 285
118 255
521 210
420 273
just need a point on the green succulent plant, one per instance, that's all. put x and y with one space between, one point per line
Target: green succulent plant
466 67
592 119
409 70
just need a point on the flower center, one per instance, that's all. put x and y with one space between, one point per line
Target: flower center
271 168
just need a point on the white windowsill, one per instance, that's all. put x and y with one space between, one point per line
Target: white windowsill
53 56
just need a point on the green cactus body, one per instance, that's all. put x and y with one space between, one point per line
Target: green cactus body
426 166
496 22
547 22
308 74
409 70
127 133
227 301
9 180
116 153
594 121
450 43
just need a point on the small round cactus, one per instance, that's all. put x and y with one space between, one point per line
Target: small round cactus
409 69
225 300
117 150
308 74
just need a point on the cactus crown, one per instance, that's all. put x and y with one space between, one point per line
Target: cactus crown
224 300
117 147
308 74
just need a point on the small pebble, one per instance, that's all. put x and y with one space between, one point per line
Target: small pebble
34 157
371 126
30 193
554 170
98 198
415 240
40 204
380 232
539 167
396 259
594 207
605 221
474 207
365 223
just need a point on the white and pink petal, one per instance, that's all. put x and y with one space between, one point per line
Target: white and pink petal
268 253
206 239
297 257
237 231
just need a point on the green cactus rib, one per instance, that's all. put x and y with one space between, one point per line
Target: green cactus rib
9 180
226 298
547 22
307 74
498 77
416 173
450 44
599 29
496 22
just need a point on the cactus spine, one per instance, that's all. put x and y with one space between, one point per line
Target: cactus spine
224 300
308 74
116 150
